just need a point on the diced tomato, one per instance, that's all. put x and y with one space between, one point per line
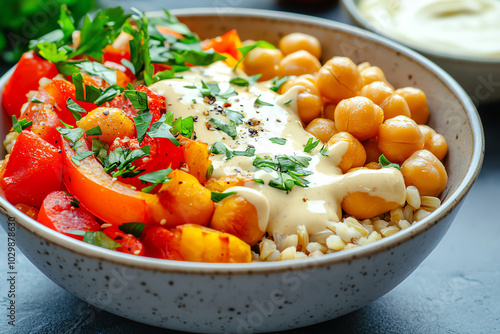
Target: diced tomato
34 170
227 43
106 198
30 69
45 122
158 242
58 213
130 244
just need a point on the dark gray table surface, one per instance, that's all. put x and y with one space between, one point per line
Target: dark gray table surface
455 290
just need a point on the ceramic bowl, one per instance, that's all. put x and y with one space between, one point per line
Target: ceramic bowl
479 77
265 297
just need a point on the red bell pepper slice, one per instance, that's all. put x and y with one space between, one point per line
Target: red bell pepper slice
160 243
30 69
45 122
227 43
110 200
60 213
34 170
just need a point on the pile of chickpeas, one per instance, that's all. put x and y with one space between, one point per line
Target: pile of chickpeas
342 101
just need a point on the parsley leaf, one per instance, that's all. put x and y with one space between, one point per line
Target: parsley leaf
246 49
183 126
311 145
75 109
79 157
280 141
220 148
73 135
262 103
161 129
324 151
138 99
100 149
95 131
245 82
210 171
132 228
156 178
98 69
212 90
290 170
20 125
142 122
385 163
51 52
121 159
234 116
277 83
217 197
229 128
97 238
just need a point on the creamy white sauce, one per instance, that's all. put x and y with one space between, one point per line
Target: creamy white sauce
313 206
258 200
462 27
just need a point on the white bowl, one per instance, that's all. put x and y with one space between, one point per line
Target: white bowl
262 297
480 77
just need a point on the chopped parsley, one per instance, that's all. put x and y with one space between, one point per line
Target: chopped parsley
98 69
290 169
324 151
385 163
212 91
97 238
79 157
156 178
119 161
71 134
35 100
277 83
95 131
229 128
279 141
259 102
245 82
217 197
20 125
220 148
246 49
132 228
234 116
100 149
75 109
311 145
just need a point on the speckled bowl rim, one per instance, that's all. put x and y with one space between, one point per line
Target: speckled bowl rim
353 11
212 269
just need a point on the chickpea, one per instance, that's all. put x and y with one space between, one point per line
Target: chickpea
361 205
424 171
399 137
417 102
434 142
263 61
373 74
372 151
237 216
329 110
355 156
339 79
309 101
113 122
184 200
298 41
364 65
359 116
384 96
322 128
298 63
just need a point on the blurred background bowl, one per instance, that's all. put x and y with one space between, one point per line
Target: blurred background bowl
480 77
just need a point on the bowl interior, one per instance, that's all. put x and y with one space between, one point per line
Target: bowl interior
452 113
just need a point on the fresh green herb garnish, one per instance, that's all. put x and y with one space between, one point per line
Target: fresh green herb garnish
75 109
385 163
210 171
132 228
71 134
97 238
259 102
20 125
290 169
311 145
324 151
156 178
277 83
217 197
119 161
138 99
279 141
229 128
79 157
100 149
245 82
212 91
234 116
220 148
246 49
98 69
182 126
95 131
287 102
35 100
142 122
